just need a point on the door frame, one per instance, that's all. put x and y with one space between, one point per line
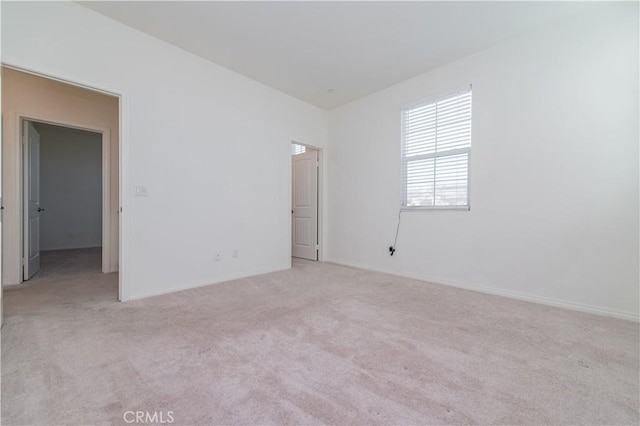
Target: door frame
320 150
123 156
107 263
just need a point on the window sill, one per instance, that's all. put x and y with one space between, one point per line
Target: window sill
434 208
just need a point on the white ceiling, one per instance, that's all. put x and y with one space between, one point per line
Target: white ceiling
355 48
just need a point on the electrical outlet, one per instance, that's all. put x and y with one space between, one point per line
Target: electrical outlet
218 257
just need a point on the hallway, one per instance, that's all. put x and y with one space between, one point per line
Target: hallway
71 275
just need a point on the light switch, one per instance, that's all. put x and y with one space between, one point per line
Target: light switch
141 191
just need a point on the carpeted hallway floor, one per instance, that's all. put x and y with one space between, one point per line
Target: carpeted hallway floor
317 344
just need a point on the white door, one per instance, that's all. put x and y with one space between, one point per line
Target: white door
304 221
32 209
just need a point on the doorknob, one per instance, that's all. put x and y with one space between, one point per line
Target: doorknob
40 209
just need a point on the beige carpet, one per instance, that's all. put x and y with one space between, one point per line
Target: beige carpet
319 344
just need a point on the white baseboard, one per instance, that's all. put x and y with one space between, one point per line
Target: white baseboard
630 316
201 283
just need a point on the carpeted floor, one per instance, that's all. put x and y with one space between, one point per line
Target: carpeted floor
319 344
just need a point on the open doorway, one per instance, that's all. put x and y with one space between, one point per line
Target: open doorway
32 107
63 197
306 188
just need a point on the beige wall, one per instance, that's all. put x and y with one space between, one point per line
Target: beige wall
40 98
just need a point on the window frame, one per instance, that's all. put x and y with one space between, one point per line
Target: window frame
404 160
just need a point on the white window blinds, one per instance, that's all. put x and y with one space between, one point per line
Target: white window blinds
436 145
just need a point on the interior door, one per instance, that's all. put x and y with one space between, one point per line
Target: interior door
32 209
304 221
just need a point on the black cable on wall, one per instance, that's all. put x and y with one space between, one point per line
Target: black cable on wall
392 249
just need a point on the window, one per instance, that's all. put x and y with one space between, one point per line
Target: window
436 146
297 149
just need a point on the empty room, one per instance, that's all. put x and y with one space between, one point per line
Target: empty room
320 213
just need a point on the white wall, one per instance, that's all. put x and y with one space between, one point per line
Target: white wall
212 146
70 188
554 171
